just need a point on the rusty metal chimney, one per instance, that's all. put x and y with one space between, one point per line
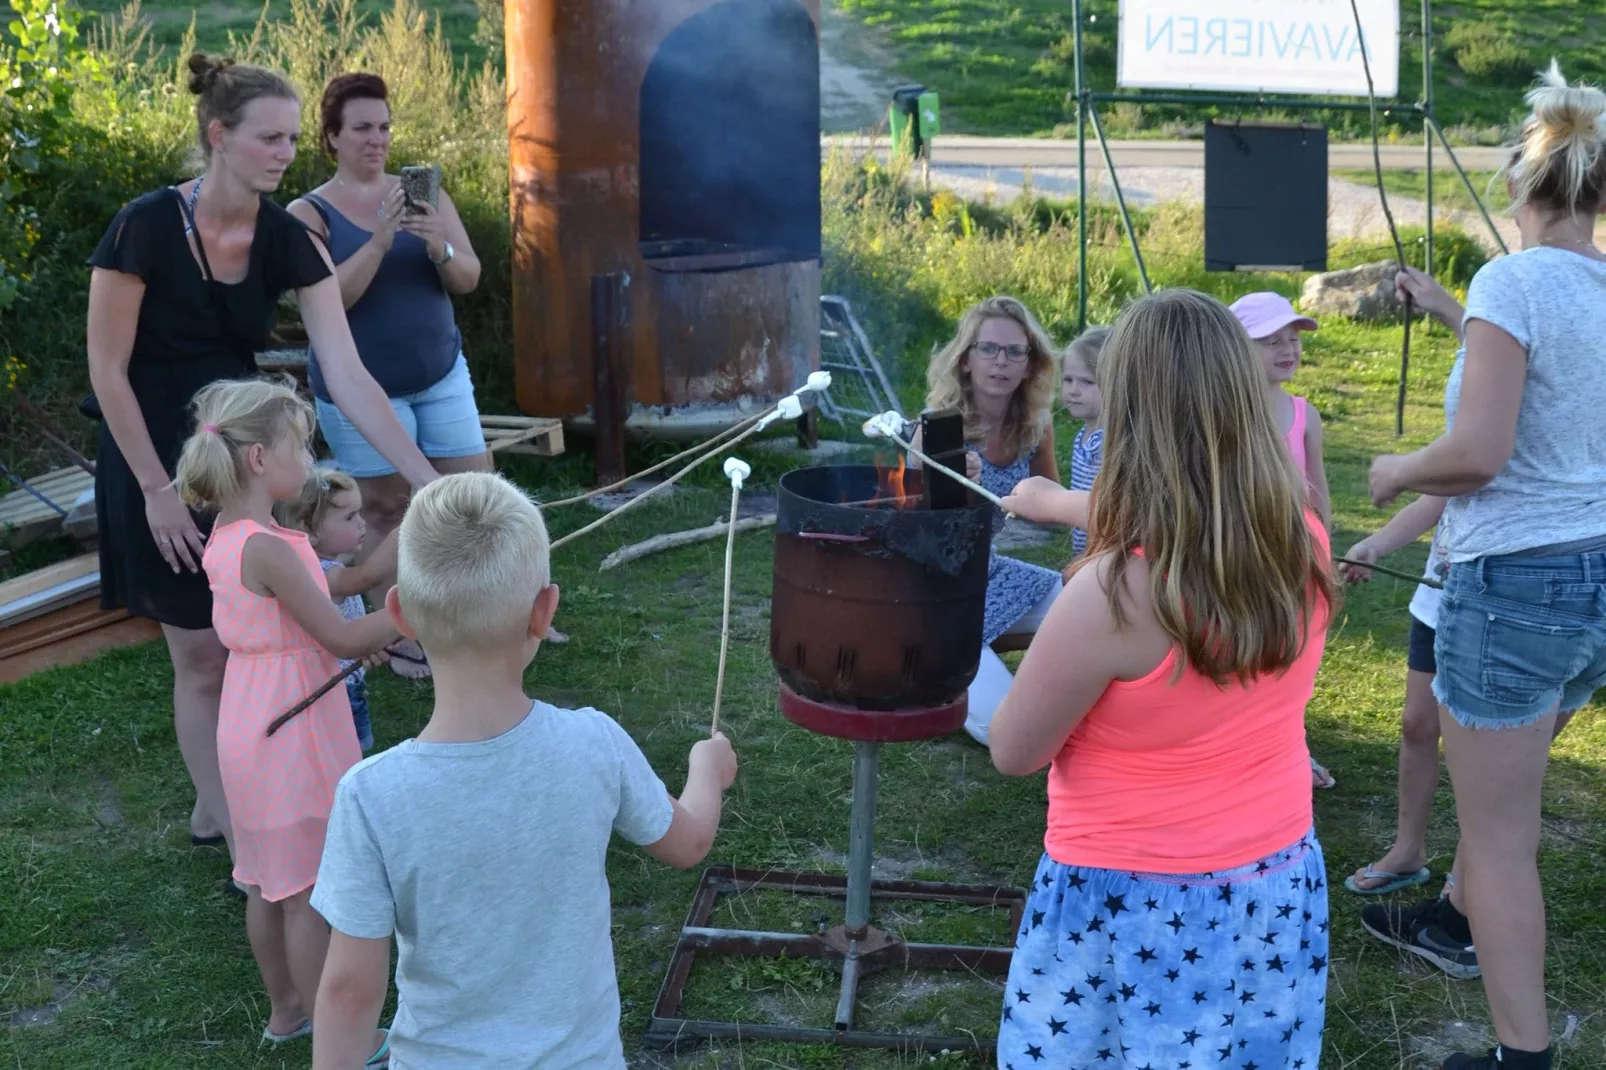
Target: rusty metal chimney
676 144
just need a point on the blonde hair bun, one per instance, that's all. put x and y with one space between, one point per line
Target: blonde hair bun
1559 164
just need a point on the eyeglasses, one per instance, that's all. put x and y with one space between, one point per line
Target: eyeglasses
991 351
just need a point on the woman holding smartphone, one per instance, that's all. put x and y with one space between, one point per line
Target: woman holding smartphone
399 261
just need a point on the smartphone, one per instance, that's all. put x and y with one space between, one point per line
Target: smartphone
421 183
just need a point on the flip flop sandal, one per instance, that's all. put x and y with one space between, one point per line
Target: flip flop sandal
382 1056
302 1030
556 637
1393 882
398 656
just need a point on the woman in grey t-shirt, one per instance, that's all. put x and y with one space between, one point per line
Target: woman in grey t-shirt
1521 640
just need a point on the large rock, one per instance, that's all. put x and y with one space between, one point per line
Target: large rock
1362 293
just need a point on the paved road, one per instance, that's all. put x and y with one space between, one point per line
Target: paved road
1012 152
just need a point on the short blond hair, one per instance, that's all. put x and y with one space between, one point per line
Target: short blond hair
306 511
230 417
472 557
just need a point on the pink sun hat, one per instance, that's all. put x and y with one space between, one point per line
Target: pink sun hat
1266 313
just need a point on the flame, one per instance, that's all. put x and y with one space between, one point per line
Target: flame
892 487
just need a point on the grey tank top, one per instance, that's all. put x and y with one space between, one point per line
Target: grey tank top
403 325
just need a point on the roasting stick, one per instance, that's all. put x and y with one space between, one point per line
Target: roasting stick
737 471
323 689
818 382
789 408
888 424
1385 570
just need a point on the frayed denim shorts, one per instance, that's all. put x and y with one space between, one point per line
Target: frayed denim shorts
1520 637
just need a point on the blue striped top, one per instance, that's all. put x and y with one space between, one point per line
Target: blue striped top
1087 453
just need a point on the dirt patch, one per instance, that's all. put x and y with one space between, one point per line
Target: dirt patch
855 86
63 996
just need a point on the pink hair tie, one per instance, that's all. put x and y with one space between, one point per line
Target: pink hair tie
210 427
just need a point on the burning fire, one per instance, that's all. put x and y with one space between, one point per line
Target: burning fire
891 487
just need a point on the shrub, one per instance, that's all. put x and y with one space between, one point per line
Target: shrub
1488 53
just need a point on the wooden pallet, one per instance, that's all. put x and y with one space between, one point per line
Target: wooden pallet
25 519
535 436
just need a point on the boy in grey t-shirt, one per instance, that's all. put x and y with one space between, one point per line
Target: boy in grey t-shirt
482 844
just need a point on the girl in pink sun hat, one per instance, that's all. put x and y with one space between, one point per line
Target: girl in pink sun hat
1275 327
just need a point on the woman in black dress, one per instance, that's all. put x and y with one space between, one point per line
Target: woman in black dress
182 294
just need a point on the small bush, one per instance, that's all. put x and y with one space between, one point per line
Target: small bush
1489 53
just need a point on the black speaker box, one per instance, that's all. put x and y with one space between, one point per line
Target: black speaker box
1265 196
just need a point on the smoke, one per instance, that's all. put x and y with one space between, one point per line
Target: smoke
730 130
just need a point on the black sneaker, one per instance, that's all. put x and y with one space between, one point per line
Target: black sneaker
1416 929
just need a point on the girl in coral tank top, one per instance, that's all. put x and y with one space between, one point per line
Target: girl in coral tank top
1180 907
272 610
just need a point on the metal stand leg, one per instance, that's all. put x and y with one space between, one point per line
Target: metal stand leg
861 852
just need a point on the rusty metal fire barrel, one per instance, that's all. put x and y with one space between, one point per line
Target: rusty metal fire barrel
876 616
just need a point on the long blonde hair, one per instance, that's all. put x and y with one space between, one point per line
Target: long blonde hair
230 417
1559 162
1029 409
1197 479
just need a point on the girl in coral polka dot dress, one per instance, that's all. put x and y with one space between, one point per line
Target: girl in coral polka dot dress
272 610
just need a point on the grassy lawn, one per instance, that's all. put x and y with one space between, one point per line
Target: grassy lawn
116 938
214 22
1005 66
1449 192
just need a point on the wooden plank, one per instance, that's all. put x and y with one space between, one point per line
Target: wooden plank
50 599
76 635
40 579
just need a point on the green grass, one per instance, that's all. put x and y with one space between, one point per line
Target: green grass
1449 192
214 22
108 910
1005 66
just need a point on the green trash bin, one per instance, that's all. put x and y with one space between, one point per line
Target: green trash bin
913 120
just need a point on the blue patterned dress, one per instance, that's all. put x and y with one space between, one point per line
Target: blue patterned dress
1013 587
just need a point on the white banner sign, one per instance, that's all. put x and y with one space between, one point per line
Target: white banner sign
1272 46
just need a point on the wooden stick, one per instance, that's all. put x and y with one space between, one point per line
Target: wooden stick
1406 576
894 500
52 434
650 491
707 444
725 625
326 687
674 539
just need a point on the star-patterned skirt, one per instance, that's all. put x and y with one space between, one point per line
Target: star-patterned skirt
1143 971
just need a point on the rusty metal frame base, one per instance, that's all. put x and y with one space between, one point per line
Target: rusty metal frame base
858 953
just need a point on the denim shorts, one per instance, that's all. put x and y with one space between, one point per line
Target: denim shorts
442 419
1521 637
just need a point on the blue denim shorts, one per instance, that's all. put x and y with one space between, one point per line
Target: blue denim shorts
1521 637
442 419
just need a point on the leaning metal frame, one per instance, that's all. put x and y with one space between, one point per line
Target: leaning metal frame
1087 111
858 947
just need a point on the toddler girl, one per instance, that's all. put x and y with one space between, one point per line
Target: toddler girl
1079 389
329 511
272 610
